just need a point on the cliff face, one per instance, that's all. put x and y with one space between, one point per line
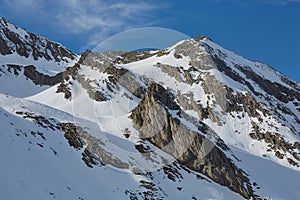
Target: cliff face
153 119
198 109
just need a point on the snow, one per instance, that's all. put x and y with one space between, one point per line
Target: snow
57 100
147 68
42 65
231 59
21 32
18 86
275 181
92 74
40 174
227 131
37 173
34 172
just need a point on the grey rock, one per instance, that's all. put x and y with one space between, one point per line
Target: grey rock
155 123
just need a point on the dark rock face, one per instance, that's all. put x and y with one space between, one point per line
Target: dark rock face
158 93
133 56
72 134
92 92
281 92
180 74
277 143
93 153
72 73
117 76
125 78
40 120
4 48
200 37
153 119
187 102
39 78
15 68
221 66
69 73
29 44
63 88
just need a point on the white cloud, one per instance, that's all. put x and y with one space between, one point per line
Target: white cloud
80 16
245 2
95 18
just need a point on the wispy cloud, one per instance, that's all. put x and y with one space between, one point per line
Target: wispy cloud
79 16
281 2
22 7
95 18
246 2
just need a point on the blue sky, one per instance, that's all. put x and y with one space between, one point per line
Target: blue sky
263 30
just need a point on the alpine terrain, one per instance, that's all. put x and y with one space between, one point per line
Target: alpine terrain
191 121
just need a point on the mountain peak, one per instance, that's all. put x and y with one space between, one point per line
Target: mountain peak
15 40
2 19
180 122
201 37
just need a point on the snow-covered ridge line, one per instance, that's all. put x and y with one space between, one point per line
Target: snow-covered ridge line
168 122
261 69
26 44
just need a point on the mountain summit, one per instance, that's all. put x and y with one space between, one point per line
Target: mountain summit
29 56
16 40
191 121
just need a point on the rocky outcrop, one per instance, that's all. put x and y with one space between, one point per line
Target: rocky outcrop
281 92
125 78
187 102
201 37
39 78
93 152
16 69
199 59
277 144
222 67
11 68
180 74
40 120
153 118
103 63
71 73
133 56
91 91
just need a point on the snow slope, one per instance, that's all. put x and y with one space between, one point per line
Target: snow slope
112 117
46 167
77 139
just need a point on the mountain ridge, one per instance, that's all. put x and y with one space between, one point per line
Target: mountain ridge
15 39
193 111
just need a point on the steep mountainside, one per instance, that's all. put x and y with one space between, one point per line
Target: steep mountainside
35 60
192 121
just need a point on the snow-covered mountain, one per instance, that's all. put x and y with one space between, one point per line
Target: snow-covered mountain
35 60
192 121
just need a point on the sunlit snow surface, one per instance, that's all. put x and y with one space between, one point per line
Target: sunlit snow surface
30 171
